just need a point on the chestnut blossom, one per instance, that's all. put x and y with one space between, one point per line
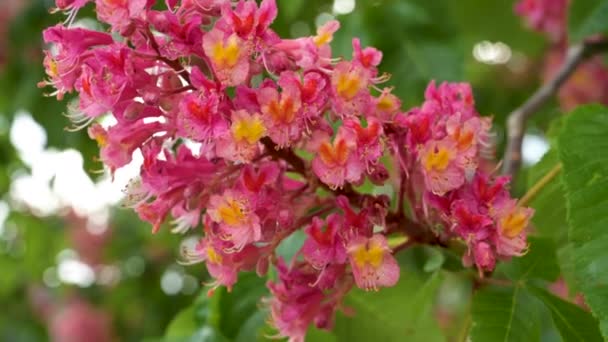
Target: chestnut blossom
547 16
247 138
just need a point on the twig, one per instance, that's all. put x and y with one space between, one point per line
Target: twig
516 122
174 64
401 198
536 188
288 155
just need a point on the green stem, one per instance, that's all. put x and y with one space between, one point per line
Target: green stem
536 188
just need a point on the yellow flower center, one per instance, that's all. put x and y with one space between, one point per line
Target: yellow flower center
212 256
53 70
249 129
323 38
371 254
348 85
514 223
233 212
386 103
226 54
437 159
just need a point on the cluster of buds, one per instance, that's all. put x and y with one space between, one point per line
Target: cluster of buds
256 137
546 16
589 81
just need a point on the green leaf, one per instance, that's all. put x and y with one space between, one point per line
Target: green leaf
549 204
505 314
226 316
583 147
291 245
239 306
539 263
183 325
400 313
208 333
434 261
588 17
573 323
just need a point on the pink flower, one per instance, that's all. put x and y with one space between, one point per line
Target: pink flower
324 245
372 264
313 90
350 91
369 147
483 256
63 67
511 221
449 99
442 166
247 21
355 223
368 57
310 52
105 81
222 266
280 111
199 117
120 13
68 5
386 105
547 16
255 180
180 33
241 144
469 222
337 163
586 85
173 184
118 143
229 57
238 222
296 303
79 321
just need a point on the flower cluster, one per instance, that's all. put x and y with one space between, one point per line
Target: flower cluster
255 137
589 81
445 153
587 84
547 16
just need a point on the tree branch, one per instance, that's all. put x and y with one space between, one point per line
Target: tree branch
288 155
516 122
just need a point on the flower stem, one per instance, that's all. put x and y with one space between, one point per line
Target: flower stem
536 188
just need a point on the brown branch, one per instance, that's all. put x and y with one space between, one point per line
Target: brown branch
287 155
174 64
516 122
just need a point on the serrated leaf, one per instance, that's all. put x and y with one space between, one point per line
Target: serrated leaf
509 314
583 147
587 18
399 313
573 323
539 263
549 204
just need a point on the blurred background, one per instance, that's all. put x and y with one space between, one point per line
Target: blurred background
73 263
